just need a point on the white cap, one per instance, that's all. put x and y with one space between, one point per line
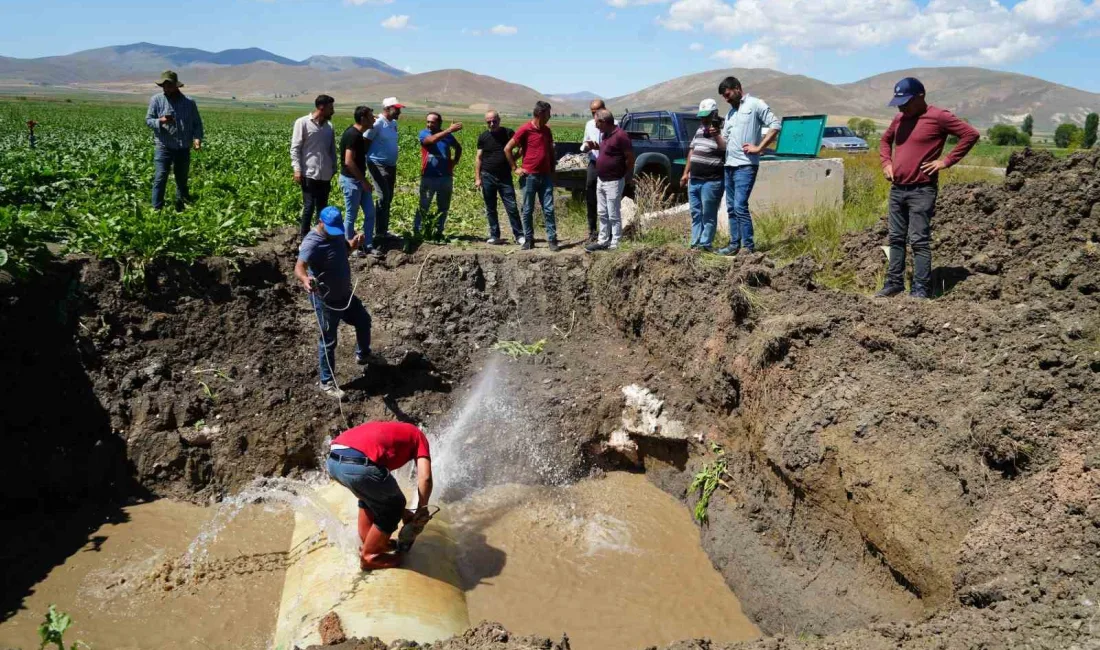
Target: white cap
391 102
706 107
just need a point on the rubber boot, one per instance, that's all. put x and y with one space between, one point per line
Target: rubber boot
374 555
366 521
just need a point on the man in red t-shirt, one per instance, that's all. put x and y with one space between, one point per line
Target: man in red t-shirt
537 175
362 459
910 150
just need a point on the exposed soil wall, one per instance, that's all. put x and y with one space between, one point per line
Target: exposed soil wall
931 462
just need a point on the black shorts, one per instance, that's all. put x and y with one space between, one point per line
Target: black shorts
374 486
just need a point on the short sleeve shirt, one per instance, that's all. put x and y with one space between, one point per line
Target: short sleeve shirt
389 444
491 145
383 137
707 158
327 259
611 163
434 158
353 140
538 148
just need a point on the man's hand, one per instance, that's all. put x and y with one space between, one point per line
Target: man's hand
751 149
365 184
888 172
307 284
357 241
592 146
932 167
298 177
198 144
477 182
167 119
683 180
454 127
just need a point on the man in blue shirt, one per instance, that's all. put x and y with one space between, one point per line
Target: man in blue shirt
177 128
437 169
325 273
744 121
382 164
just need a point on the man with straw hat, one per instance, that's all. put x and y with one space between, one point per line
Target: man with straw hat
177 128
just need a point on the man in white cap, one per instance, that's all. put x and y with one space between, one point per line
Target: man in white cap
382 163
704 175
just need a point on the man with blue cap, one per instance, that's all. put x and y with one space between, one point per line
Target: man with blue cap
910 151
325 273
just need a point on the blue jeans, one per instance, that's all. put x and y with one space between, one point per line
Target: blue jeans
434 188
704 197
491 186
739 182
542 186
374 486
355 315
355 197
179 160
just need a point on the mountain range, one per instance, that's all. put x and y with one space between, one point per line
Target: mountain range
984 97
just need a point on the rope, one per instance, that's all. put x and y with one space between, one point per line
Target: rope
321 332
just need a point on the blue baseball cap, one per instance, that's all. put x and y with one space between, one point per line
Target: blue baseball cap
906 89
333 220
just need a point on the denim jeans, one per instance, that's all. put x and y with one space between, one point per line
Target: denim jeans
739 182
355 197
179 160
437 188
542 187
385 179
491 186
912 208
355 315
704 197
374 486
609 201
314 199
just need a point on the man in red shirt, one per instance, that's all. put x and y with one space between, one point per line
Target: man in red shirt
537 177
362 459
910 151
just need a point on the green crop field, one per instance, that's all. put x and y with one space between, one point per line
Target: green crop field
86 185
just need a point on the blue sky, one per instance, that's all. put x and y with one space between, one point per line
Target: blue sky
610 47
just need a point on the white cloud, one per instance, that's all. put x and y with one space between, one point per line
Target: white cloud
503 30
696 47
621 4
396 22
957 31
368 2
749 55
611 15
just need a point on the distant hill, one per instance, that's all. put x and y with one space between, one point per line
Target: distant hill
338 63
687 91
576 98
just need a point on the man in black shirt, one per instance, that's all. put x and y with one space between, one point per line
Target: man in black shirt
358 191
494 176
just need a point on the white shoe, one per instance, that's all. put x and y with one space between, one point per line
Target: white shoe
332 390
494 240
521 241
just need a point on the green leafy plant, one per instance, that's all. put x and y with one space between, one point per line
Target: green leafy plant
517 349
53 627
707 480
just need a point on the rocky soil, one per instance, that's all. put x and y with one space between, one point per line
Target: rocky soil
902 473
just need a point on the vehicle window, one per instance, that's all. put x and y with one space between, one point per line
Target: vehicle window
834 132
691 125
656 127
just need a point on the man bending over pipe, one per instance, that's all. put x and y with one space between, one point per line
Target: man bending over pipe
362 459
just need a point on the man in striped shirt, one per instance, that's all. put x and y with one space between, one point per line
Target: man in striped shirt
746 118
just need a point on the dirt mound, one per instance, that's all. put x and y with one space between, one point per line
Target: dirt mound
485 636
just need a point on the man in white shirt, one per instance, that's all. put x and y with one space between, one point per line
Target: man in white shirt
382 163
313 157
592 137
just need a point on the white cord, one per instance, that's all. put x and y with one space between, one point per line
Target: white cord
321 331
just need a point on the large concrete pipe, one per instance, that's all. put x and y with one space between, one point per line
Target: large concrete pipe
421 601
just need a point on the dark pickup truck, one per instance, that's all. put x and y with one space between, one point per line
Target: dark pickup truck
661 140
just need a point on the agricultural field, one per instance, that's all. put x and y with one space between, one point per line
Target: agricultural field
85 187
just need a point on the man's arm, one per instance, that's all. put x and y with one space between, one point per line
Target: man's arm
423 482
458 153
508 155
332 152
551 153
588 138
630 165
968 137
296 140
353 167
301 271
436 137
768 118
151 117
886 149
196 125
687 167
477 168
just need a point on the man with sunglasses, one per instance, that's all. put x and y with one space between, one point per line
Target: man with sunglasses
493 177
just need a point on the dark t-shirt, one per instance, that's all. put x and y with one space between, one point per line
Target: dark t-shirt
491 145
353 139
327 259
611 163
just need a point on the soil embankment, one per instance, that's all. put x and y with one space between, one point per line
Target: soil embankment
900 473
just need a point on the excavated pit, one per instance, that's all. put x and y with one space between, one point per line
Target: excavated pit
898 473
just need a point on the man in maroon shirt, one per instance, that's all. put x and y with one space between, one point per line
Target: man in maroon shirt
910 151
361 460
614 172
537 174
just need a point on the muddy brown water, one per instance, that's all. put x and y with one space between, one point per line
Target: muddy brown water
614 562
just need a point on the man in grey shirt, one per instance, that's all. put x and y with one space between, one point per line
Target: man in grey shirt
313 156
177 128
744 121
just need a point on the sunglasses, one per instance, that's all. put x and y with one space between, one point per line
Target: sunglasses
492 121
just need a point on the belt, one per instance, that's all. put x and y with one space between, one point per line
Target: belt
354 460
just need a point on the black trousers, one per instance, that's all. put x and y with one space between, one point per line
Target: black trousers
590 197
314 199
912 208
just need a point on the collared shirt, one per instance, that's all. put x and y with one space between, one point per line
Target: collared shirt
181 133
920 140
743 126
313 148
383 137
591 133
611 165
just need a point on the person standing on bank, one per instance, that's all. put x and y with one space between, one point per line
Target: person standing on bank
358 191
382 164
704 176
614 171
493 177
324 272
313 157
363 460
910 152
177 129
746 118
437 168
537 174
590 145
